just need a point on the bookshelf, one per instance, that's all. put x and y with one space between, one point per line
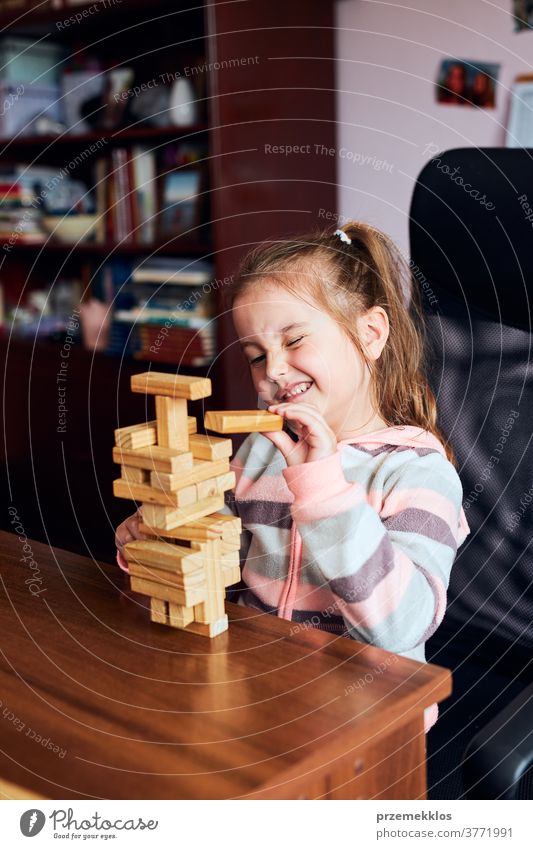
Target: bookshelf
268 77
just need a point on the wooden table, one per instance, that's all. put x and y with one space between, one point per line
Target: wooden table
97 702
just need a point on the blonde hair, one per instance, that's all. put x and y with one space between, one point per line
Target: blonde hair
348 279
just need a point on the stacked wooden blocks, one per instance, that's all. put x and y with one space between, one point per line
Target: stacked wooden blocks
179 477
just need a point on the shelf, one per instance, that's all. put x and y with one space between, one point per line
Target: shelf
126 134
38 17
177 245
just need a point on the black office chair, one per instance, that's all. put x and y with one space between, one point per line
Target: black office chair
471 234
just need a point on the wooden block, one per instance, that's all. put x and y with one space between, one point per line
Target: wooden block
212 629
130 473
155 458
163 555
166 592
201 470
216 486
142 492
231 524
230 560
228 547
231 570
159 611
194 581
172 385
152 425
182 533
210 447
214 598
199 612
172 423
136 436
180 616
242 421
169 519
231 576
213 605
211 527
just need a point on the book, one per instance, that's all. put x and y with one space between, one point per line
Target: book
100 179
159 316
145 194
185 271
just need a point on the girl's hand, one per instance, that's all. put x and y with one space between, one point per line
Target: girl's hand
316 439
128 531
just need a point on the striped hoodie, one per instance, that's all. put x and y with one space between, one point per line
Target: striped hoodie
360 543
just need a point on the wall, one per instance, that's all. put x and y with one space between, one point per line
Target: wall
388 59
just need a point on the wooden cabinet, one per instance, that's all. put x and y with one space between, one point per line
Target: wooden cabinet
266 76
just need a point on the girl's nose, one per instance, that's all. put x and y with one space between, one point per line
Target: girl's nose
275 366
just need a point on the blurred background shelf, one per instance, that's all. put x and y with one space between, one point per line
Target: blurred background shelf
248 90
123 134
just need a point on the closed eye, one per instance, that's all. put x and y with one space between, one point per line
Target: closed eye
261 357
257 360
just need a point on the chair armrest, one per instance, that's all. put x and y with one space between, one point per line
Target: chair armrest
499 755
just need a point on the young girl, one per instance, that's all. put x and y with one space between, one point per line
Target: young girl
352 515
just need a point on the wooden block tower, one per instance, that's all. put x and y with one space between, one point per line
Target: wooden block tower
179 476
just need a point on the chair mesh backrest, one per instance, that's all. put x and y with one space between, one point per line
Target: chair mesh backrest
472 255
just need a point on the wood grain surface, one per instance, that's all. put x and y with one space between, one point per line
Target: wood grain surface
98 702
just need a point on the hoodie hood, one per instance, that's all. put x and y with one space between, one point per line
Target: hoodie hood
414 437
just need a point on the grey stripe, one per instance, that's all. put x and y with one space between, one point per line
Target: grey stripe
432 627
273 513
359 587
398 449
416 521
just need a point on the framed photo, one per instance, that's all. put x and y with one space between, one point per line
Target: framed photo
180 201
462 82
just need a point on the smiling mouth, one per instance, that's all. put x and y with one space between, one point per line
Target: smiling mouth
297 390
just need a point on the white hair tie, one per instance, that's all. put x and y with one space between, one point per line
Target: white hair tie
343 237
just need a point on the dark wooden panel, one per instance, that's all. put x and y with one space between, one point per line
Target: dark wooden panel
264 94
61 481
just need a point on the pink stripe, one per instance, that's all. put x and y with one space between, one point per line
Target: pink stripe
122 562
293 584
375 499
309 597
386 597
285 592
267 488
268 590
319 508
306 597
431 714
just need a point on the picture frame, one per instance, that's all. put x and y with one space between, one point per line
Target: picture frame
467 83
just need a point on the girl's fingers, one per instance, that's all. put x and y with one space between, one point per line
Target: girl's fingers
303 415
294 452
317 440
128 531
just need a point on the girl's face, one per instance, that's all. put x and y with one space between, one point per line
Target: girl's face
296 351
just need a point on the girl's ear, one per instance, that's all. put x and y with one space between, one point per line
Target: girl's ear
373 329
